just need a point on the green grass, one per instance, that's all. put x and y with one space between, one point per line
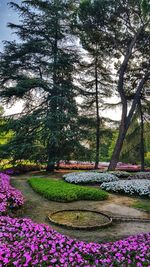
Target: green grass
142 204
59 190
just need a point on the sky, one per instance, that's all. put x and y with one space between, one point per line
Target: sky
6 15
9 15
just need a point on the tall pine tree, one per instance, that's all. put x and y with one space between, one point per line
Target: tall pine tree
39 69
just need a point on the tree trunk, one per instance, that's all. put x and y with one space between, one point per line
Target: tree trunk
53 128
97 117
117 149
125 122
50 167
97 143
142 139
58 165
121 136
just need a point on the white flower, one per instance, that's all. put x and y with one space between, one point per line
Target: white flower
131 187
89 177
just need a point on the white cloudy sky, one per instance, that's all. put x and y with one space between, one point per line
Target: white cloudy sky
8 15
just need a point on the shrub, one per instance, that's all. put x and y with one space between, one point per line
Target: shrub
120 174
59 190
140 175
131 187
89 177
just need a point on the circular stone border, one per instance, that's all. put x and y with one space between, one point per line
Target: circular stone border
81 227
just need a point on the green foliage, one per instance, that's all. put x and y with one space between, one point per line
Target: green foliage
1 110
5 135
40 69
131 147
59 190
113 142
147 158
145 6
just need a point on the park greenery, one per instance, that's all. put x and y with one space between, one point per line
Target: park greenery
26 243
68 60
58 190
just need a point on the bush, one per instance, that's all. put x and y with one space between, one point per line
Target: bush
89 177
58 190
120 174
140 175
131 187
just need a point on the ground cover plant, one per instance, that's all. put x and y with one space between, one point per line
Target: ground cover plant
59 190
9 196
24 243
131 187
89 177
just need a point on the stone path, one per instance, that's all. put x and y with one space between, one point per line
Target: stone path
37 208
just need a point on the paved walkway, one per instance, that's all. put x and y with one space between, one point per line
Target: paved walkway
37 208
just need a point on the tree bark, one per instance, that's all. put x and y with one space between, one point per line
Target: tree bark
50 167
142 138
119 143
97 117
52 148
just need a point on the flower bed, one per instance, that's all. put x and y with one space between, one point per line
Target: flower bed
130 187
9 196
21 169
89 177
140 175
24 243
120 174
81 165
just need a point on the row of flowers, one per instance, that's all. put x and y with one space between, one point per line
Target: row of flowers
89 177
102 165
9 196
24 243
131 187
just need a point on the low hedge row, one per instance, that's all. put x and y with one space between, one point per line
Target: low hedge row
60 191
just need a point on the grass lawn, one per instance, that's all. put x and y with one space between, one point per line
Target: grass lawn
59 190
143 204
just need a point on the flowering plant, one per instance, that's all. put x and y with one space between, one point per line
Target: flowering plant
24 243
89 177
131 187
9 196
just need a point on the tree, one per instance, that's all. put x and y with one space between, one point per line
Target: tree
95 81
39 70
133 73
124 29
134 147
